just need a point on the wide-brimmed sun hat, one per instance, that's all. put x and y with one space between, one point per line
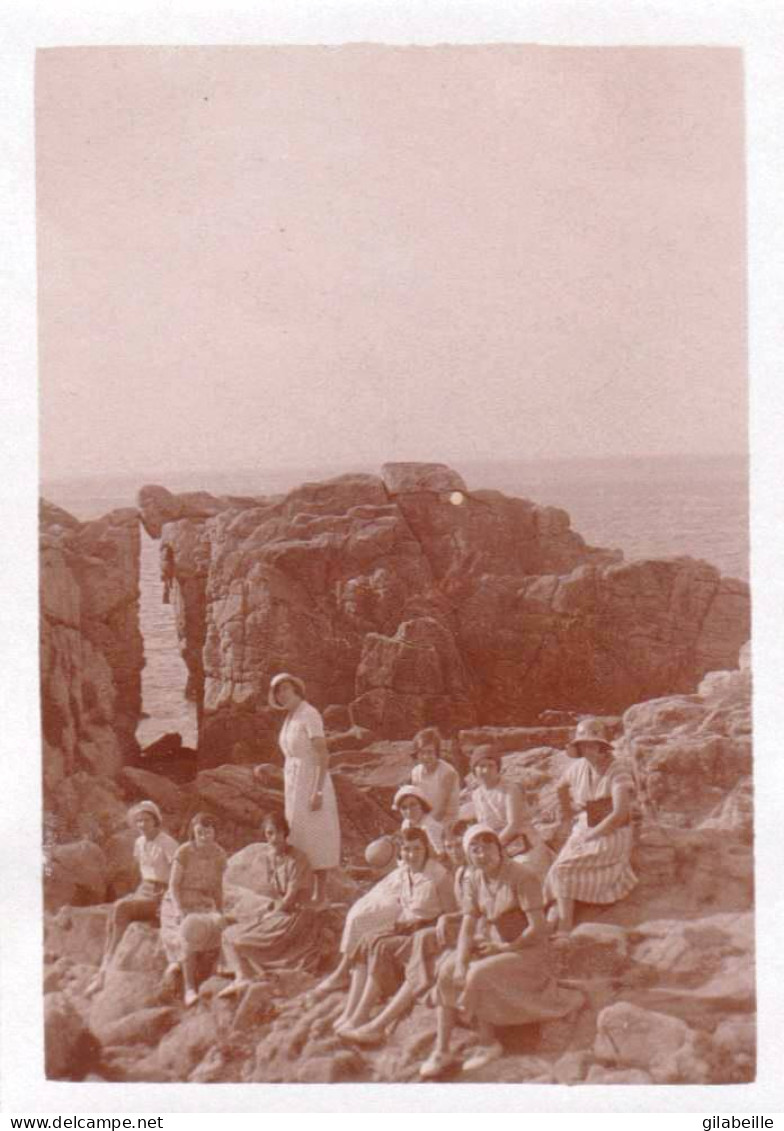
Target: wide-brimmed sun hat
474 831
276 681
145 807
411 791
484 754
589 730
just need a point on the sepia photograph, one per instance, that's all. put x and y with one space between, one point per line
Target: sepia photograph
395 607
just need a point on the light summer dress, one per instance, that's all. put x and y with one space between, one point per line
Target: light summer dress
314 832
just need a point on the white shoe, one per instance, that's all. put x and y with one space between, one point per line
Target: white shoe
191 997
436 1064
482 1055
233 989
96 985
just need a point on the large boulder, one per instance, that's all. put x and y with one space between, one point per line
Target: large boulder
75 873
631 1037
691 751
70 1049
76 933
133 980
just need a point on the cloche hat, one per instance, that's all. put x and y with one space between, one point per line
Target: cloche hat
485 753
590 730
275 682
473 831
411 791
145 807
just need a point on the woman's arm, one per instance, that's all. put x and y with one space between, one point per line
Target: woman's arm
622 800
321 755
564 796
516 815
217 893
176 881
446 893
297 879
531 936
464 943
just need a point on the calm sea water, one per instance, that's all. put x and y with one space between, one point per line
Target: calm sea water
645 507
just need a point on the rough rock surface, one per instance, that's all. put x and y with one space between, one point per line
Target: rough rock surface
410 600
667 974
70 1048
692 753
403 600
91 661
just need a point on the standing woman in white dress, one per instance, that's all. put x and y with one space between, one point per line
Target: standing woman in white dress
310 801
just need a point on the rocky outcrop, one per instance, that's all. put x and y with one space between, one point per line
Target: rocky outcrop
692 753
91 661
408 600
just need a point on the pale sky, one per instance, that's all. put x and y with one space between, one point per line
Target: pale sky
290 255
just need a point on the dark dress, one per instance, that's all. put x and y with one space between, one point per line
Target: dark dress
277 938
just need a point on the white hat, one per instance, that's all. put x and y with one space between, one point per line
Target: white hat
145 807
474 831
283 677
590 730
411 791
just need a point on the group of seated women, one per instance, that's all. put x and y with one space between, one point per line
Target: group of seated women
181 889
458 920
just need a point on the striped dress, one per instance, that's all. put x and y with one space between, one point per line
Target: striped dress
593 871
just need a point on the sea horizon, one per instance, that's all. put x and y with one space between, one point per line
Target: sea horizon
646 506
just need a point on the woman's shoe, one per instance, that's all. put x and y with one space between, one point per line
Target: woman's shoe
436 1064
362 1035
482 1055
191 997
233 988
96 985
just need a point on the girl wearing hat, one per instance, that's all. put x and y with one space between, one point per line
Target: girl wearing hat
412 804
424 894
310 801
285 935
154 852
427 944
501 805
376 911
595 794
499 973
192 909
